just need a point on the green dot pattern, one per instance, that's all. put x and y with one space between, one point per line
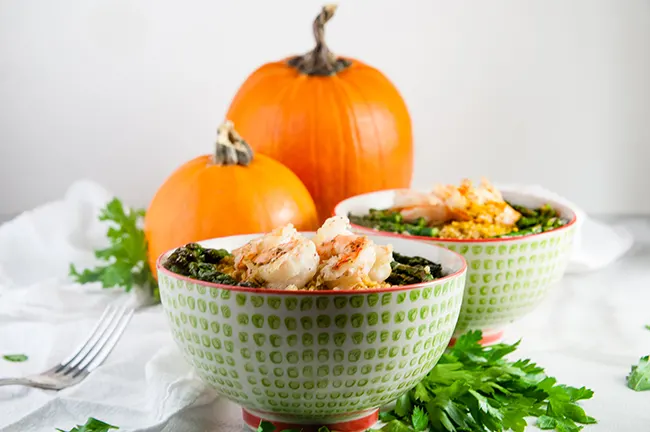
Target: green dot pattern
311 356
506 280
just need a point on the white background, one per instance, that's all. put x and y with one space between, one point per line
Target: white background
555 92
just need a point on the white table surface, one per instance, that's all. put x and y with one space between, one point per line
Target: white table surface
588 332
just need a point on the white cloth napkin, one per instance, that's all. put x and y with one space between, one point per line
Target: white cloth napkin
596 244
145 385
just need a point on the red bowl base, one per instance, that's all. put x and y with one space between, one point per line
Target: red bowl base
489 338
363 422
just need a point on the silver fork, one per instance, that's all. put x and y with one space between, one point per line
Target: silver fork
86 358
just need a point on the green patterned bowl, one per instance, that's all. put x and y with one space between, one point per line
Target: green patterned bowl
306 357
506 278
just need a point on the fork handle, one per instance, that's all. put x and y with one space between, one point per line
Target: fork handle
15 381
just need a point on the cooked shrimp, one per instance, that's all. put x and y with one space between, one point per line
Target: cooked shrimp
382 269
486 192
284 259
332 227
455 200
413 205
483 203
456 203
349 259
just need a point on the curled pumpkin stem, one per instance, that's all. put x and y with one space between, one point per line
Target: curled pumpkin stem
320 61
231 149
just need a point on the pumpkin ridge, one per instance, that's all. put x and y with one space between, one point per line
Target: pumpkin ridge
354 124
344 103
369 75
283 96
261 203
334 160
378 136
258 203
314 186
330 101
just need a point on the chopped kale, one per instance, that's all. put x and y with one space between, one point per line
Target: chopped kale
533 221
197 262
412 270
392 221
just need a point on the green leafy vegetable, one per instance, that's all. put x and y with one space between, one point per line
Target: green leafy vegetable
393 426
15 357
385 416
639 377
407 270
265 426
535 221
125 259
419 419
474 388
647 326
92 425
403 406
197 262
392 221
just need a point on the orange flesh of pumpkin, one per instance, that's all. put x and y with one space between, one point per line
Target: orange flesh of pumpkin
343 135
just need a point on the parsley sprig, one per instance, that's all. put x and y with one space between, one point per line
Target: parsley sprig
92 425
474 388
639 377
125 259
16 358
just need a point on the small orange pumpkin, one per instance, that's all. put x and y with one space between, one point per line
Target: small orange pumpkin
227 193
336 122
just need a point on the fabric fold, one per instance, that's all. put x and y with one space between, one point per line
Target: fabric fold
145 385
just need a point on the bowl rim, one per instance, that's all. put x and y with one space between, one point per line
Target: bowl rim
456 274
574 219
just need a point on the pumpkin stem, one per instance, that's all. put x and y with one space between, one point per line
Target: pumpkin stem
231 149
320 61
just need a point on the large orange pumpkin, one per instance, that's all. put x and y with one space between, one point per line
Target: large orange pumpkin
336 122
226 193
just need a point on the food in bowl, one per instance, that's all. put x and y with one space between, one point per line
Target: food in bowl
508 276
312 357
335 259
463 212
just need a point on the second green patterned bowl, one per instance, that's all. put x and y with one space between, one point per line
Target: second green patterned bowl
506 277
304 358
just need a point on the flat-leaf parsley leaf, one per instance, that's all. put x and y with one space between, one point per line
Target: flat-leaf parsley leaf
266 426
126 257
92 425
17 358
639 377
474 388
419 419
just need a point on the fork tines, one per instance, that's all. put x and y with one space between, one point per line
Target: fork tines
99 344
